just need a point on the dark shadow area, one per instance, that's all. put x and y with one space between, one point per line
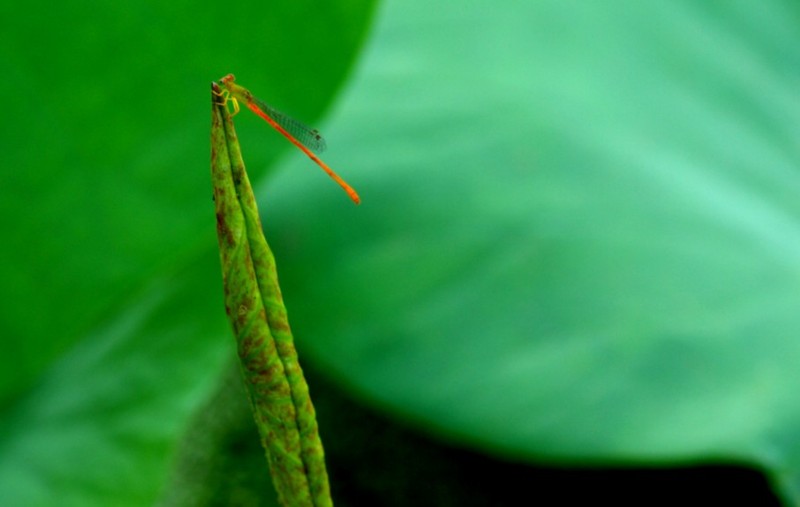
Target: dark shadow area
375 461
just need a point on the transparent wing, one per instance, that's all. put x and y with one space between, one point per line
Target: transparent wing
311 138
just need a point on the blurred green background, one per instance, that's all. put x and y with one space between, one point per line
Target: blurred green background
577 261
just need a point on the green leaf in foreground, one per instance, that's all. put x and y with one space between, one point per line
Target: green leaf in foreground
278 391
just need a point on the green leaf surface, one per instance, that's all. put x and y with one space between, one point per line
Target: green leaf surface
578 239
112 324
580 231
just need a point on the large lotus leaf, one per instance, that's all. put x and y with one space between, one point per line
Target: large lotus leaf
112 324
580 237
577 242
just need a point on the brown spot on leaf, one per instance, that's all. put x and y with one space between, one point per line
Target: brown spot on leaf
279 325
223 231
